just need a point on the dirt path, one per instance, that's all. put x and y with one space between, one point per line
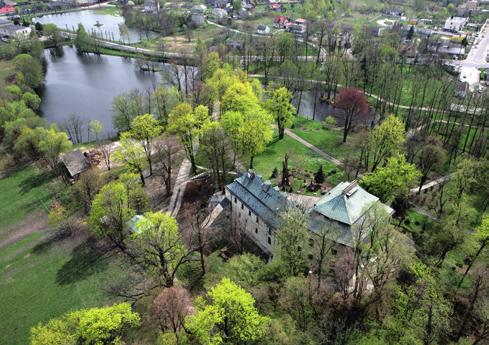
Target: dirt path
36 222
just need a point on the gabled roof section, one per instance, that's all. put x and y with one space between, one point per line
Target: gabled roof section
75 162
345 203
264 200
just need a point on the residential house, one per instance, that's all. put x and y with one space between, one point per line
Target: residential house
7 10
455 24
297 27
280 22
9 30
263 30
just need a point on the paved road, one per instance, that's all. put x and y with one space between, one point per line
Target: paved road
477 55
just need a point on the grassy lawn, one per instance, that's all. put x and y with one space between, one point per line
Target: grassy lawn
328 140
26 191
41 275
109 10
300 159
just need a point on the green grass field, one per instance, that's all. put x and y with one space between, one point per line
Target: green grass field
25 192
328 140
42 275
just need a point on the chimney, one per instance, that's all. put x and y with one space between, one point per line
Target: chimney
350 189
250 174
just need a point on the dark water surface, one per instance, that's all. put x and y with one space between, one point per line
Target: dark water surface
86 85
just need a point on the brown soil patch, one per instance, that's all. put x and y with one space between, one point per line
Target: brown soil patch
36 222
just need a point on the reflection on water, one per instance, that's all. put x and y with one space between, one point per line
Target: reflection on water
86 85
103 25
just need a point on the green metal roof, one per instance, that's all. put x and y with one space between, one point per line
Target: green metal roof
345 203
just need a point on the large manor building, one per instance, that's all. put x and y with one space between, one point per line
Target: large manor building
255 208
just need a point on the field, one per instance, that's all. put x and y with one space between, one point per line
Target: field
328 140
42 274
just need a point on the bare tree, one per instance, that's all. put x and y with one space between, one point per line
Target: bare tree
73 125
170 308
167 153
106 151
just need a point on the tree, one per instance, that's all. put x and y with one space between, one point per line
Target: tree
482 237
430 158
354 104
319 175
95 127
51 144
137 198
292 239
29 69
385 141
84 43
166 153
131 154
410 33
391 181
110 213
228 316
237 6
294 300
186 122
232 121
127 106
214 147
280 107
159 246
145 128
254 134
87 187
170 308
88 326
53 34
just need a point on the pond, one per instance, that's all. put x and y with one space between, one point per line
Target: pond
86 85
105 26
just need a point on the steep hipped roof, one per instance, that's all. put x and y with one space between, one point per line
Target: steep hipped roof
345 203
260 197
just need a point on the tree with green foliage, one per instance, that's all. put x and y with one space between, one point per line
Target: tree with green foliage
110 213
52 143
430 159
226 316
295 299
280 107
29 70
127 106
232 121
393 180
292 240
136 196
384 141
481 235
84 43
254 134
145 128
131 154
95 127
52 32
214 146
159 246
95 326
186 123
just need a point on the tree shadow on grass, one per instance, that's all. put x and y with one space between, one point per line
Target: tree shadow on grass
86 259
51 240
34 181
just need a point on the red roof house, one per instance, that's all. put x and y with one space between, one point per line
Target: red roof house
7 10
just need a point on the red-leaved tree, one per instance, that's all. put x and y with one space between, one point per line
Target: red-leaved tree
354 104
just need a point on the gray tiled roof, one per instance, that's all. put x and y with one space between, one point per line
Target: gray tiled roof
264 200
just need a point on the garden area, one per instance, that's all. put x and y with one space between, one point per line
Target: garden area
303 164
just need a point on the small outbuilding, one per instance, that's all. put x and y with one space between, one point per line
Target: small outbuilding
75 163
